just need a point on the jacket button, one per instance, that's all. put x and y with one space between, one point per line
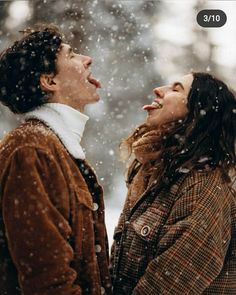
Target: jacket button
145 230
98 248
95 206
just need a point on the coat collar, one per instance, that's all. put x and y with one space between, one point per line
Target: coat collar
67 123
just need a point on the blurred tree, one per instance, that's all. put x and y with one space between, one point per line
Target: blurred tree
199 54
120 39
8 120
3 15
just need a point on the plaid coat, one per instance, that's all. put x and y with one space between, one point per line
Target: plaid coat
181 242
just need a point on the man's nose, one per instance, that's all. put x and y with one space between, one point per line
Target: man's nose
87 61
159 91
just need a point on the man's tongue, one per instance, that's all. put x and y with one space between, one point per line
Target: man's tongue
94 81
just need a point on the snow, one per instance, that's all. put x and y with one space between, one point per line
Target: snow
114 205
135 46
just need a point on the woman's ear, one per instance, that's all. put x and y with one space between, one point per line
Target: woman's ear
48 83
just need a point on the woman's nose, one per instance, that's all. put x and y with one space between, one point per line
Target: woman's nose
159 92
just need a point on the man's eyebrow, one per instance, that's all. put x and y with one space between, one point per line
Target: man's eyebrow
178 84
68 50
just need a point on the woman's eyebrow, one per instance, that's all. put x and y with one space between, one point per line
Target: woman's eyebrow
178 84
69 50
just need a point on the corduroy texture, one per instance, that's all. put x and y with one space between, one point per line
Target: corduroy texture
53 238
178 242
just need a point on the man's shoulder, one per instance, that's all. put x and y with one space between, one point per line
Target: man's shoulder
32 133
32 127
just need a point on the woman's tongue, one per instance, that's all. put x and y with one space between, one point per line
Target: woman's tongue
152 106
149 107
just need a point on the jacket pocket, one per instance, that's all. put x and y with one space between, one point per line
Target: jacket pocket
84 197
134 267
148 225
142 242
81 218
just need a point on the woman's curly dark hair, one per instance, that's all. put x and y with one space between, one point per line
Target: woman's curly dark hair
22 64
204 139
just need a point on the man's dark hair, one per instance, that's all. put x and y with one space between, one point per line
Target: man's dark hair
22 64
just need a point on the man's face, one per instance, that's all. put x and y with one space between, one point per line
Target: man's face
75 85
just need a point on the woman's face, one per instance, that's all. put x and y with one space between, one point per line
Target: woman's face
170 103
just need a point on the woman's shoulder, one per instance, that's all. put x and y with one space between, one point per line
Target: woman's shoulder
208 186
204 196
205 178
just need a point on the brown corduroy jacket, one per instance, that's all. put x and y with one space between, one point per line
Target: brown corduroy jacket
180 242
52 234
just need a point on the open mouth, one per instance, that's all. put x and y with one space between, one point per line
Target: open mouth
93 81
155 105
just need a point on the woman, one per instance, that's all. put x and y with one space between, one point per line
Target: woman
177 232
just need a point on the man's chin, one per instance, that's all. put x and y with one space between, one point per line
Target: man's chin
96 98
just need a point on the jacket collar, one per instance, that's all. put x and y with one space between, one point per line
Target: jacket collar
67 123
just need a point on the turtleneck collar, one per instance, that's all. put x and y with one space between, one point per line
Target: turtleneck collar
66 122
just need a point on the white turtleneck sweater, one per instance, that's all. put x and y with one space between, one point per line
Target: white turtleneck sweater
67 123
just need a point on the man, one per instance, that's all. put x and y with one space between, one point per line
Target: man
53 238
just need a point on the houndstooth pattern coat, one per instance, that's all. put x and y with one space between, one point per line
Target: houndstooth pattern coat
180 242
